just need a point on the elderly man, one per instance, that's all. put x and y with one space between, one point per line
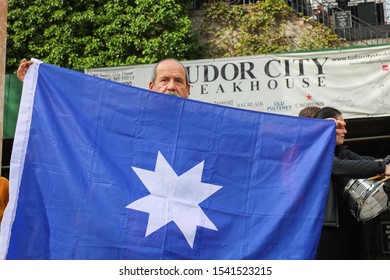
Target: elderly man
169 77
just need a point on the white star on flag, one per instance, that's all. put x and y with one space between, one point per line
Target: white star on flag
174 198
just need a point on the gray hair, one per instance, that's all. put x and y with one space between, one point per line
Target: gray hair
154 75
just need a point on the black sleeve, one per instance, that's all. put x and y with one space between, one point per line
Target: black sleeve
357 168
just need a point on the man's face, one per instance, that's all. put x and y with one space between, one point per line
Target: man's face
171 79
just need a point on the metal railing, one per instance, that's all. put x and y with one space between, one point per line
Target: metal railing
354 30
360 32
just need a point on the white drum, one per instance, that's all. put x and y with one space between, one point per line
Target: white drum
366 198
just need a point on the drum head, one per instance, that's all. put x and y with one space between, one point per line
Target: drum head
373 205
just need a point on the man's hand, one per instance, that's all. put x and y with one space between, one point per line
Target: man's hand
387 170
23 67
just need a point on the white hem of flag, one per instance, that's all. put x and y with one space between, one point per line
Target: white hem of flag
22 134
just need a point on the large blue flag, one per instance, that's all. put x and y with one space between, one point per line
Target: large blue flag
102 170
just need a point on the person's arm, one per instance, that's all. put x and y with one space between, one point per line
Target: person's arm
356 169
23 67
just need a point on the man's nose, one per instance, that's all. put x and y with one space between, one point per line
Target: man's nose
171 85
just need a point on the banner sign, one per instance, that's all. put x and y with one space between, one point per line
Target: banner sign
356 81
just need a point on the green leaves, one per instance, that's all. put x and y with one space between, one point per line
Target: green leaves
261 28
86 33
80 34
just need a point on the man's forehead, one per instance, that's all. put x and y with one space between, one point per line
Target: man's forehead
171 72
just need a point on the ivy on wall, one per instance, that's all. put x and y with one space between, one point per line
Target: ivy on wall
100 33
265 27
